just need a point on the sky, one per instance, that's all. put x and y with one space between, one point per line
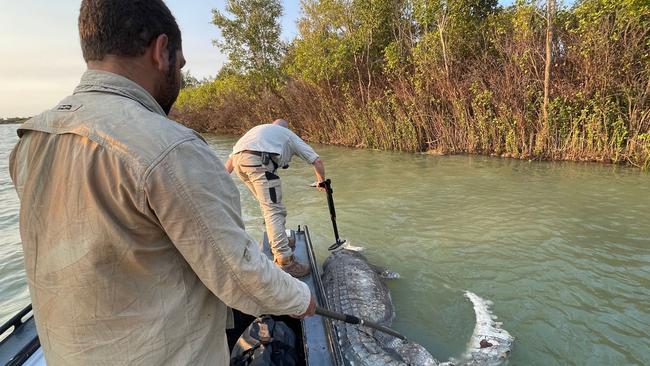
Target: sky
41 59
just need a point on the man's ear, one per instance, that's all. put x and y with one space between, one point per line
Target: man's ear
160 53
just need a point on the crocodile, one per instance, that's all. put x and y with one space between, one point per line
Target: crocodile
353 286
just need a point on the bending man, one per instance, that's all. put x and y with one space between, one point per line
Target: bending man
256 158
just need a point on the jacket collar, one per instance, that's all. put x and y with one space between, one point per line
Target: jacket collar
108 82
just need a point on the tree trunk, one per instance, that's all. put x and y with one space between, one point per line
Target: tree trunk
550 13
542 138
441 29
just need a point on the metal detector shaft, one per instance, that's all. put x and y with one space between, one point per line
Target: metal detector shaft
351 319
330 204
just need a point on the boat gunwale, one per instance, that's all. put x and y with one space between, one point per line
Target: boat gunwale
333 341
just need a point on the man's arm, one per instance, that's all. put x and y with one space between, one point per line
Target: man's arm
197 204
319 171
307 153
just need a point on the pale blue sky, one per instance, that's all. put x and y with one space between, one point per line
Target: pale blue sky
41 59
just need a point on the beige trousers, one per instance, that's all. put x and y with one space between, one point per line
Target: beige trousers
267 189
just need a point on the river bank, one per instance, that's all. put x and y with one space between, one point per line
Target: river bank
636 153
12 121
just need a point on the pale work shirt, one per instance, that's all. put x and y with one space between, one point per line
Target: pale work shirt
278 140
132 234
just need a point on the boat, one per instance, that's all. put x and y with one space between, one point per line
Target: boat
317 341
19 344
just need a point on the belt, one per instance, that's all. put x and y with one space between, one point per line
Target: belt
252 152
262 154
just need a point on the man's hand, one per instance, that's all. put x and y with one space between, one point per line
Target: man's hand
311 309
228 165
319 185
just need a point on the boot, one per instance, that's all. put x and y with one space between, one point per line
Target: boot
292 267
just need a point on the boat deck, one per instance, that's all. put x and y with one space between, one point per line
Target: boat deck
319 339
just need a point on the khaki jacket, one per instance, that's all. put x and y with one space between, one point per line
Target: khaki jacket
132 233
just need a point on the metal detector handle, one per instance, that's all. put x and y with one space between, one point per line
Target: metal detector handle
327 184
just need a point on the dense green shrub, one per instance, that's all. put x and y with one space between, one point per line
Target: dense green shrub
452 77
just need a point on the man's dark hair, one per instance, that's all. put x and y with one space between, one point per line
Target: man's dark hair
124 27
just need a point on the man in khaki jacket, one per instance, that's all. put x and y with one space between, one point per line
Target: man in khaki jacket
132 233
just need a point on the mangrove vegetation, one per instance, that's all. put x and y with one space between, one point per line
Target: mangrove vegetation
535 80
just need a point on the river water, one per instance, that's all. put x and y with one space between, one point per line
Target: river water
562 249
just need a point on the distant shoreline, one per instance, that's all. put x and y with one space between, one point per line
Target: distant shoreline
12 121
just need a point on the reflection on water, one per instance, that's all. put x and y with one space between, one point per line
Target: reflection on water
562 249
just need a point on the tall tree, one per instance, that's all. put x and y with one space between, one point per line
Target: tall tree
550 14
250 36
542 136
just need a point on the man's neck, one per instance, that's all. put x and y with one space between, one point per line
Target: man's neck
132 68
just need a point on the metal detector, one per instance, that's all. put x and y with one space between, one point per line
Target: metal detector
327 184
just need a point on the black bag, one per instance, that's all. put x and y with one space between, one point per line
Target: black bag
265 342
